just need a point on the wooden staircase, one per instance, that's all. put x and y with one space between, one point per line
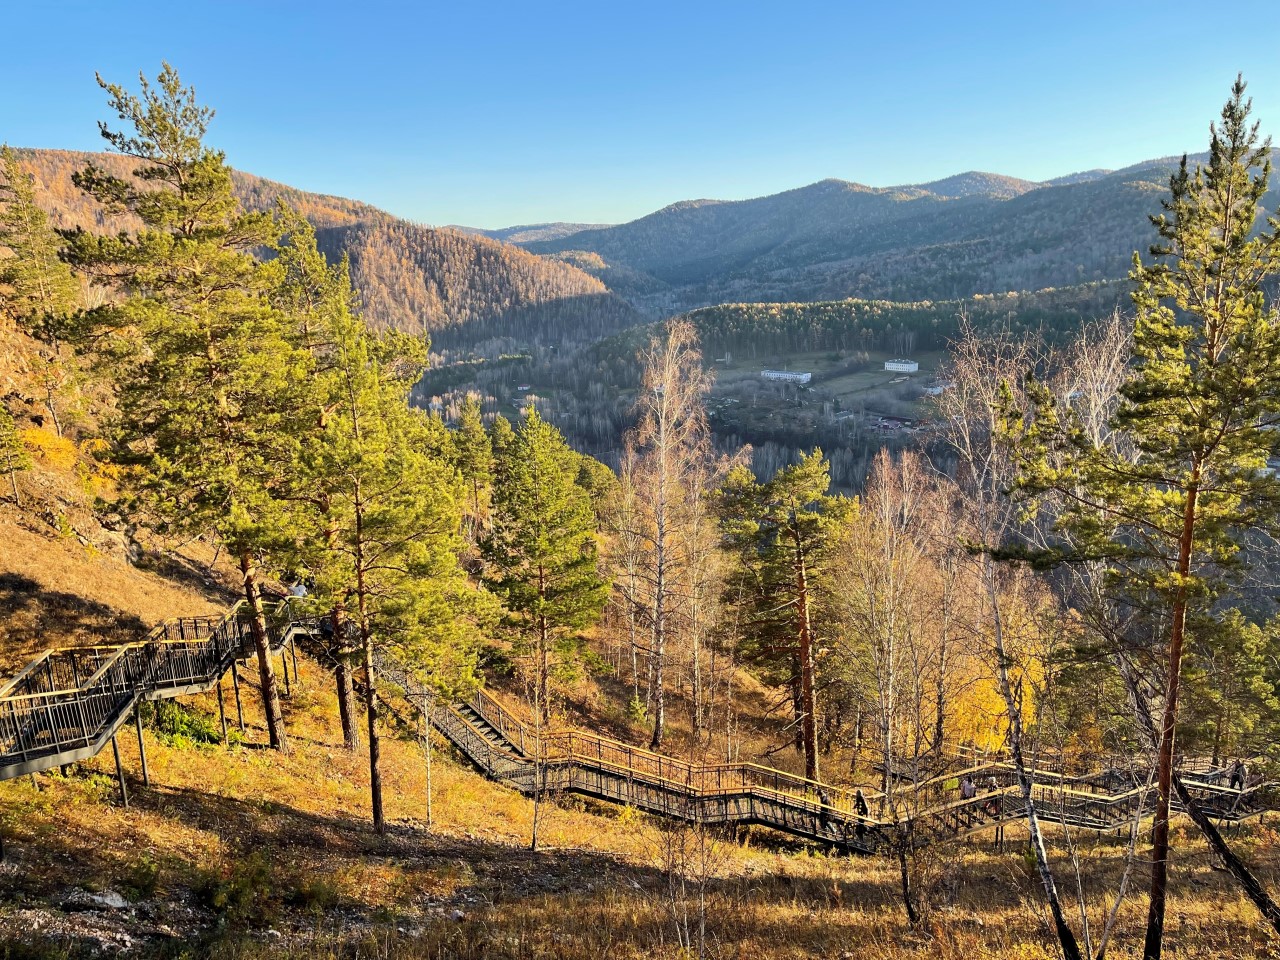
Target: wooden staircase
68 705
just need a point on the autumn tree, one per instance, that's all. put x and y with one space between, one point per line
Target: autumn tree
667 475
13 453
37 288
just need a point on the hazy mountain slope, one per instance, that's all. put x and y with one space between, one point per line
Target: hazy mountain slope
462 288
533 232
975 183
968 234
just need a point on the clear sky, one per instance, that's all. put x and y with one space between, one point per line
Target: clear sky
489 113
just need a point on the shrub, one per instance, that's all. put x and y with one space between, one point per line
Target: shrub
243 893
180 726
142 878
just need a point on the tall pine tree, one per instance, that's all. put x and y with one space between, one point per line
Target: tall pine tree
541 553
781 532
1199 412
207 369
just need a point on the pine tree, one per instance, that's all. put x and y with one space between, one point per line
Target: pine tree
541 554
36 287
13 454
473 455
319 302
381 529
208 373
781 533
1198 411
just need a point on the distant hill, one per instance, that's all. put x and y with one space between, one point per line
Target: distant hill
462 288
974 183
533 232
973 233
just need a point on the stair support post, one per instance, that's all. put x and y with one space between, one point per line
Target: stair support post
235 682
124 787
142 744
222 712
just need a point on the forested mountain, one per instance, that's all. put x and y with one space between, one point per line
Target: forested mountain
464 289
969 234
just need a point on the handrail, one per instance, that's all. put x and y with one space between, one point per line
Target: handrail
41 727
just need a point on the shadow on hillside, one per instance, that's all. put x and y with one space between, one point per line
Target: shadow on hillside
300 845
35 618
192 575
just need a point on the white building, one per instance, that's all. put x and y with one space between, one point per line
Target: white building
786 376
902 366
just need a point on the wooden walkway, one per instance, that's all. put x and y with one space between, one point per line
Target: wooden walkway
69 704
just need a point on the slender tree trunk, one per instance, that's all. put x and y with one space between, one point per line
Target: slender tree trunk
342 676
1066 938
341 649
370 675
266 672
660 587
1249 883
375 742
1154 943
904 875
543 707
808 721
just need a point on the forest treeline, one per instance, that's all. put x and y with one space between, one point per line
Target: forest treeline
1074 579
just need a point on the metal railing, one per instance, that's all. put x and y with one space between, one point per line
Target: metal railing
68 704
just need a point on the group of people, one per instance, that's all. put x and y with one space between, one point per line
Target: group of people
969 790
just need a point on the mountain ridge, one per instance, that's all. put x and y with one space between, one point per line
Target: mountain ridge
461 288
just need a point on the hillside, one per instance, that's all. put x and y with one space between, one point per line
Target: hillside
532 232
463 287
237 851
968 234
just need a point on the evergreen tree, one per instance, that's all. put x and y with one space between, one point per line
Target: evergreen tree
473 455
208 373
781 532
381 528
1198 412
36 287
13 454
320 303
541 554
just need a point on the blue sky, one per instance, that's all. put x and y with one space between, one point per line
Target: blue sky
496 113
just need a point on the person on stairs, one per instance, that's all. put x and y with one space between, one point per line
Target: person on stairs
968 789
862 810
1237 775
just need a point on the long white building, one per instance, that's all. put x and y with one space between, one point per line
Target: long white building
902 366
786 376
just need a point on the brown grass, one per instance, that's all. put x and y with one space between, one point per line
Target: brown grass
318 873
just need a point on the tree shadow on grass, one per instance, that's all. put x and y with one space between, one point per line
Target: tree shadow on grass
34 618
